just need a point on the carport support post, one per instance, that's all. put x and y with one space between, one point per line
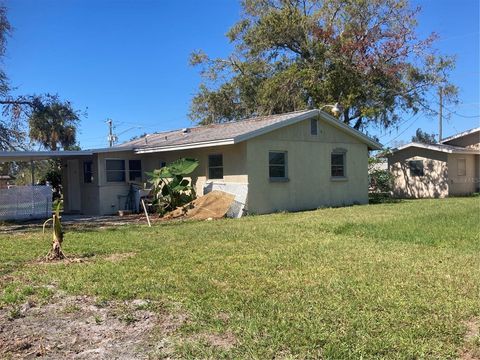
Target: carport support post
32 167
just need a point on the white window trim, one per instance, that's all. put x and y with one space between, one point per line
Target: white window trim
278 179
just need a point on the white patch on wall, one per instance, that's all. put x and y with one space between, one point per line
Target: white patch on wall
238 189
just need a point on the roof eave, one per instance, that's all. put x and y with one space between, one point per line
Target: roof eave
155 149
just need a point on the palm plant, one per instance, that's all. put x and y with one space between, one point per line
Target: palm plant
170 188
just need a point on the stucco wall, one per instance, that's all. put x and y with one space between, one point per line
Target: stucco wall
234 170
462 185
309 184
433 184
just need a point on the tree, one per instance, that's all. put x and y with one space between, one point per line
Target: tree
53 125
293 54
424 137
52 121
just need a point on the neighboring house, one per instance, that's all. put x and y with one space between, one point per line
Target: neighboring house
437 170
295 161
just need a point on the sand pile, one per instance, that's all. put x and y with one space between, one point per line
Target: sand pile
214 205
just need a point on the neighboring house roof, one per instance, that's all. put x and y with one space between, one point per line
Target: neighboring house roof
234 132
45 155
439 147
459 135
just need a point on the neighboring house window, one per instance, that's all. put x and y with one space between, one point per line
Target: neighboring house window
115 170
277 165
461 167
416 167
135 170
88 172
337 164
215 166
313 127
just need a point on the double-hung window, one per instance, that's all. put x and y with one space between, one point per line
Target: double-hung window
416 167
135 170
337 164
115 170
277 165
215 166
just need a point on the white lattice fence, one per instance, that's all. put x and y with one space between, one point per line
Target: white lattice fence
239 190
25 202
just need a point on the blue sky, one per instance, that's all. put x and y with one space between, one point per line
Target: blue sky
128 60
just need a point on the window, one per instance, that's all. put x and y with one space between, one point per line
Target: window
115 170
87 172
461 167
313 127
416 167
337 161
277 165
135 170
162 164
215 166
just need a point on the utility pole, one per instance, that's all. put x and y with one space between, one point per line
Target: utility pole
111 137
440 114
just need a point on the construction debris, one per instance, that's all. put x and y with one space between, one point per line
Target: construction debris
213 205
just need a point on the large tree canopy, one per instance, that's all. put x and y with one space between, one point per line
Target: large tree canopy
293 54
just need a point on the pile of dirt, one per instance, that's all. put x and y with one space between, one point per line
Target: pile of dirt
213 205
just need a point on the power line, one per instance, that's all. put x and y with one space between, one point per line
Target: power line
408 127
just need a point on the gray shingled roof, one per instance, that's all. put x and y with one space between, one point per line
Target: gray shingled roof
212 132
234 132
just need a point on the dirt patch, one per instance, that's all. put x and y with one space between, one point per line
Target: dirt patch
79 327
119 256
225 341
213 205
471 348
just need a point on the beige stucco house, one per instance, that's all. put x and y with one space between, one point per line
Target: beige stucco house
450 168
295 161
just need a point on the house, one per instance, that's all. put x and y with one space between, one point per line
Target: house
450 168
294 161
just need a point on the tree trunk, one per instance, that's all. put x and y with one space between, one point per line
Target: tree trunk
56 252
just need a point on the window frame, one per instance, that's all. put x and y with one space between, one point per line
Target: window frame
123 171
413 173
130 171
464 173
215 167
90 179
284 166
343 166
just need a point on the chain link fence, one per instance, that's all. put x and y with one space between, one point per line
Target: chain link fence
25 202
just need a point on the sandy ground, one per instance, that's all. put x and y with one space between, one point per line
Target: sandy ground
80 327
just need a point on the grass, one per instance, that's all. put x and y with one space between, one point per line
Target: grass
395 280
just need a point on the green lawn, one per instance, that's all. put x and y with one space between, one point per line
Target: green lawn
393 280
